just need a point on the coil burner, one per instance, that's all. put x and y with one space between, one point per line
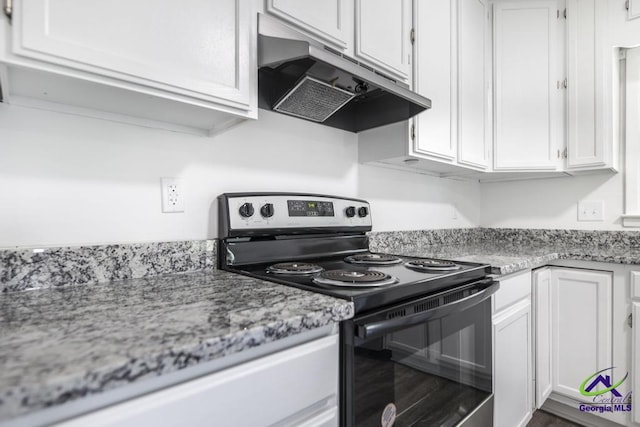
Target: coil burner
432 265
353 278
297 268
373 259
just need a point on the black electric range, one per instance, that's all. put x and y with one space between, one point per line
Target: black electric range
418 350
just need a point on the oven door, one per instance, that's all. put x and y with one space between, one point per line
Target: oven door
427 362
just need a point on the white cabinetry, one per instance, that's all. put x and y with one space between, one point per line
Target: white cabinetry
376 32
187 64
513 352
451 138
542 310
435 62
329 21
383 35
297 386
589 138
634 323
473 84
581 327
581 311
528 99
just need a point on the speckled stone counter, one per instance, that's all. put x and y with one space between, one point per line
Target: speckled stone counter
60 344
33 268
512 250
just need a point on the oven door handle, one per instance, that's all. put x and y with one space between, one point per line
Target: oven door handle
366 330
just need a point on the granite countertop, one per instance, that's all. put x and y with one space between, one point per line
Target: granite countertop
506 257
60 344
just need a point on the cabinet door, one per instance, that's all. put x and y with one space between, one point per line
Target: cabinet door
542 310
513 405
581 327
635 354
383 35
434 77
472 83
198 48
331 21
528 98
585 84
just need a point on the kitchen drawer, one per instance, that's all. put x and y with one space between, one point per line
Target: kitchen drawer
513 288
297 386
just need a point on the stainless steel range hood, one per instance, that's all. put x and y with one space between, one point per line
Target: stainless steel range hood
303 78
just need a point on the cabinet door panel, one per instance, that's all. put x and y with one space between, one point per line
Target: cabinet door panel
199 48
527 97
434 72
635 354
513 367
383 35
584 127
581 327
542 310
472 83
329 20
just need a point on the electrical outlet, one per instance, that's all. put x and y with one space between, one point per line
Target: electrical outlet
591 210
172 195
454 212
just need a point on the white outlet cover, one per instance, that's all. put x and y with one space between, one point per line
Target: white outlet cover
591 210
172 194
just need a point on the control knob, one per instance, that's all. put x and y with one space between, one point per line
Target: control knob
267 210
350 211
246 210
363 212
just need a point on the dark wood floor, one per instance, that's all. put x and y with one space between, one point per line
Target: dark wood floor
545 419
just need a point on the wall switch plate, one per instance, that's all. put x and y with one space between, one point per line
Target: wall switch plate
172 195
591 210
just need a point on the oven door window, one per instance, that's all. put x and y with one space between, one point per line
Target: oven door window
430 374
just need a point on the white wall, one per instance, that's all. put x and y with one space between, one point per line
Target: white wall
551 203
407 201
70 180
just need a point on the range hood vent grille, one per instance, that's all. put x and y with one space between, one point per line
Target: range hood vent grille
313 99
302 77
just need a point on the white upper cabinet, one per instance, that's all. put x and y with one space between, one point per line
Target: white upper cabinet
451 138
376 32
588 141
330 21
434 77
528 97
198 56
473 83
383 35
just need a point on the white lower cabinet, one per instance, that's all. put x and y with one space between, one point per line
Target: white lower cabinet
583 342
294 387
542 315
513 351
633 321
635 354
581 325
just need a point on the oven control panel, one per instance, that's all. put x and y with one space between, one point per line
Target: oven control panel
284 211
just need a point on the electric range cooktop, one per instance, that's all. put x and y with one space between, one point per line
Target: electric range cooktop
319 243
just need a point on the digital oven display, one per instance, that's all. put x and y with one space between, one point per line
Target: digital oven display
310 208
